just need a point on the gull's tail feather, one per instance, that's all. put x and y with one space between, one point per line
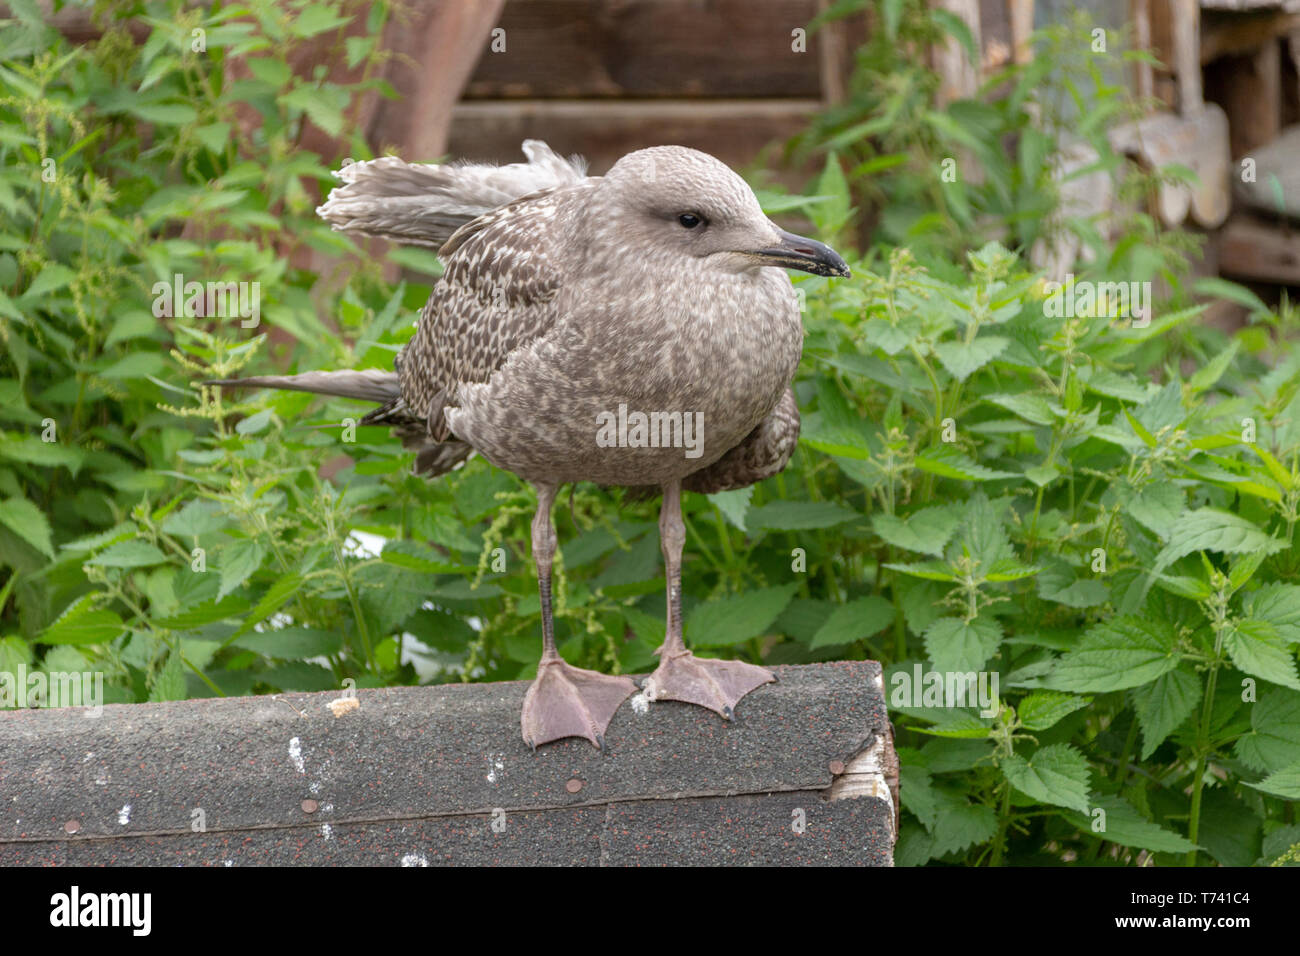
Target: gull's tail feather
422 204
371 384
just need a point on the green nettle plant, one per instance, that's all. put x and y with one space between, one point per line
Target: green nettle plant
1089 514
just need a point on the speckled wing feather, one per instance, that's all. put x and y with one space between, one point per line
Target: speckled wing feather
763 453
497 294
422 204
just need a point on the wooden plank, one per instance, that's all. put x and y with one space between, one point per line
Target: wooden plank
650 48
958 77
1249 88
1229 34
422 772
1022 28
1254 249
735 131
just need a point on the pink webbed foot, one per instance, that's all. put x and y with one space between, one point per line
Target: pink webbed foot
717 685
567 701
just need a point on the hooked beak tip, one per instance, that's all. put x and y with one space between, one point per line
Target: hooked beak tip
806 255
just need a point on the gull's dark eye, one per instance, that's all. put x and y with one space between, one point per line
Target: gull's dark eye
689 220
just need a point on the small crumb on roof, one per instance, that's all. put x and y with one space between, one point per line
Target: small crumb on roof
344 705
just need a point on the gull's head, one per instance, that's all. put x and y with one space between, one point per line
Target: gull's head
673 201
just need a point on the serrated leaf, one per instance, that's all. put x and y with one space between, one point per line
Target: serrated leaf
1256 648
736 619
926 531
799 515
239 560
1157 507
1279 604
958 725
1046 708
854 621
78 624
195 519
1056 774
276 597
1281 783
1125 826
947 462
956 645
1116 654
930 570
129 554
1057 582
1274 738
291 643
962 826
1028 405
28 522
254 423
734 504
1209 529
232 605
962 360
1163 704
169 684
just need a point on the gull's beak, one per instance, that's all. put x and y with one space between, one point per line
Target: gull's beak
807 255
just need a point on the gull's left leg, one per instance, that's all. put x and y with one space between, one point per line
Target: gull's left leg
717 685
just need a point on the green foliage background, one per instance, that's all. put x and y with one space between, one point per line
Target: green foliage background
1102 514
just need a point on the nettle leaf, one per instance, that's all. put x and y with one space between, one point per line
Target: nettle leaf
1028 405
1046 708
1162 706
413 556
292 643
734 504
961 826
917 794
1281 783
926 531
736 619
1125 826
33 451
930 570
169 684
254 423
1256 648
28 522
1057 582
1008 569
1056 774
129 554
947 461
1157 507
1117 654
892 339
799 515
962 359
1279 604
1274 739
958 725
276 596
80 624
854 621
239 560
953 644
1209 529
232 605
195 519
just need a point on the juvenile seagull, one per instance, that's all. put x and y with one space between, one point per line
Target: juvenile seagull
566 301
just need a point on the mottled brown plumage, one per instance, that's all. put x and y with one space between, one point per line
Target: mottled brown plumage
565 303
